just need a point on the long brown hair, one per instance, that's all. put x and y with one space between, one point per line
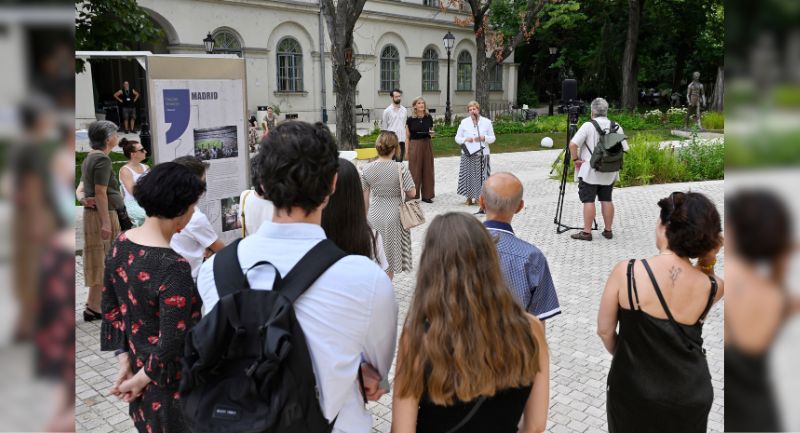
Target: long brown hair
464 335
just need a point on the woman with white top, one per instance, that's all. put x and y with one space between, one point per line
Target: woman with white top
129 174
254 209
475 134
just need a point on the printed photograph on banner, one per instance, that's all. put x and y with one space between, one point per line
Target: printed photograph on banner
216 143
230 214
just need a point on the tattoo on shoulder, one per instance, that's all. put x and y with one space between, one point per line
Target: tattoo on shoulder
674 273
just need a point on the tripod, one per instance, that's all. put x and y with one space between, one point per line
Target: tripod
572 127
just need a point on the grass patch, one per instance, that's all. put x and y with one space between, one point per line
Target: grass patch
713 120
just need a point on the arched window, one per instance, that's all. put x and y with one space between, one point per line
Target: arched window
430 70
464 71
225 42
390 68
496 76
290 66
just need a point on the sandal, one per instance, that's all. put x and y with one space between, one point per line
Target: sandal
581 236
91 315
608 234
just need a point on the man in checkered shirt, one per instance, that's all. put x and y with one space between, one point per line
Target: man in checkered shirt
523 265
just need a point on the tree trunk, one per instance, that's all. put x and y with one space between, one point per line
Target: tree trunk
481 67
718 97
341 19
630 61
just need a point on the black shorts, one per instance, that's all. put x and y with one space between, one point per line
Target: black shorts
588 192
128 113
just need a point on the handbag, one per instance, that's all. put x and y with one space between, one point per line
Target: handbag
410 211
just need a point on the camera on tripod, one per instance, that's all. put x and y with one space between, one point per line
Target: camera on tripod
570 104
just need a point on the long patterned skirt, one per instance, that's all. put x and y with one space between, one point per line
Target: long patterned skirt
472 173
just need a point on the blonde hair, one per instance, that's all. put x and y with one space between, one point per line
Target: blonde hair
414 106
386 143
464 334
473 104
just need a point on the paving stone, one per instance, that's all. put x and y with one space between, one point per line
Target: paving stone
579 362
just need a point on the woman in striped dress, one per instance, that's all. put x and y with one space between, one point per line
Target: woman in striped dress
381 182
474 169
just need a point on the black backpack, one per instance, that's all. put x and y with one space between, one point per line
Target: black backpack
608 152
247 367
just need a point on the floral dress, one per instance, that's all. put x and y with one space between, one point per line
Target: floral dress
149 304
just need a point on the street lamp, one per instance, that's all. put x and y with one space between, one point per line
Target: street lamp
553 52
209 43
448 39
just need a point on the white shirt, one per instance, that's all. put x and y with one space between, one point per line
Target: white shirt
256 210
395 120
192 241
348 311
587 138
468 129
128 196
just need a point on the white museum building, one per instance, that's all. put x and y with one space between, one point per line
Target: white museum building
397 44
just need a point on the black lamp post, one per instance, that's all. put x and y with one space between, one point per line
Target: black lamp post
448 39
209 43
553 52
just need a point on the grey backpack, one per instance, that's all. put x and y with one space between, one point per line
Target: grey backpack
608 153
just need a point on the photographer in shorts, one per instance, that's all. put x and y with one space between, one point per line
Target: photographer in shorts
593 184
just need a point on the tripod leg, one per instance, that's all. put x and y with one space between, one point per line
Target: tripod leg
555 162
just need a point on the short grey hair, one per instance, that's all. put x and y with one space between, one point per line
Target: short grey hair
99 132
600 107
496 203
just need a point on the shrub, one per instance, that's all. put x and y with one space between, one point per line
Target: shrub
646 163
703 160
713 120
675 116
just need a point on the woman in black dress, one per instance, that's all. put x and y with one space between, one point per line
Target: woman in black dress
150 301
470 358
659 379
419 127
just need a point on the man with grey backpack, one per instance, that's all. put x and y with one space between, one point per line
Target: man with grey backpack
597 150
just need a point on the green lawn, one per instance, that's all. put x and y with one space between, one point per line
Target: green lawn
446 146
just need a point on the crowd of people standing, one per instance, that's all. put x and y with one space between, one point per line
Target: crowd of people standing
472 352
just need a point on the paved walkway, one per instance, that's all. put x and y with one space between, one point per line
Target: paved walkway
579 363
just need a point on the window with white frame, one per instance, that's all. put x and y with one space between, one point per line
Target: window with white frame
434 3
430 70
390 68
464 71
496 76
290 66
225 42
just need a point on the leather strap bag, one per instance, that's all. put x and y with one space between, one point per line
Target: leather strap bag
410 211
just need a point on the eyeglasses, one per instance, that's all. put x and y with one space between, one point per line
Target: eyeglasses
138 150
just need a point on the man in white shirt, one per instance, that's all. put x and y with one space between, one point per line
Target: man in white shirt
349 314
593 184
394 119
198 239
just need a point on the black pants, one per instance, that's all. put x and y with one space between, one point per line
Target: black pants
402 152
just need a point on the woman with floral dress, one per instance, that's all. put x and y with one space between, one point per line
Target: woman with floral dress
150 301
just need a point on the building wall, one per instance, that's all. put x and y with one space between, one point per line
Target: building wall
261 25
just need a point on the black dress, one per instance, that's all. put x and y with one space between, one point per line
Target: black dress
659 379
497 414
750 404
149 304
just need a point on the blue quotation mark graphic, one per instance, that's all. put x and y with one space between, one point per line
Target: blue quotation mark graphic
176 112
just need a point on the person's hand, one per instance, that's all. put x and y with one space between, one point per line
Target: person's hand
105 232
481 138
469 139
372 381
89 202
133 387
123 374
578 164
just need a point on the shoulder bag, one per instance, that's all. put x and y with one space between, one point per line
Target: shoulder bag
410 211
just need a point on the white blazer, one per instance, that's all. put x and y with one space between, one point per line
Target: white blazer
468 129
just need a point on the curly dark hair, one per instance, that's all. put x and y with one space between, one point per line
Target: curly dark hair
167 190
297 163
761 225
693 223
194 164
255 176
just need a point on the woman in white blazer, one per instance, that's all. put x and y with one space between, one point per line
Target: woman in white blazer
475 134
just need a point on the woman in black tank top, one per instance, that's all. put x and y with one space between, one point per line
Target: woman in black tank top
659 379
470 359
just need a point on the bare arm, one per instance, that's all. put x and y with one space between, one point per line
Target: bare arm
411 193
534 417
366 200
135 95
609 303
101 198
126 178
116 95
404 415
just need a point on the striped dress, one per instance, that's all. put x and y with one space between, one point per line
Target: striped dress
472 172
383 181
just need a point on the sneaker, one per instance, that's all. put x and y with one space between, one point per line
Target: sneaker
608 234
581 236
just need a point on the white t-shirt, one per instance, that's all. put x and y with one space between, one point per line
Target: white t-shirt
395 120
256 210
349 311
192 241
587 138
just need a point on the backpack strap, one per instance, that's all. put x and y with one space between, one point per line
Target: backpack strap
598 128
469 416
632 286
316 261
228 275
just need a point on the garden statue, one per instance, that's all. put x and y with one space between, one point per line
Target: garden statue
695 97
